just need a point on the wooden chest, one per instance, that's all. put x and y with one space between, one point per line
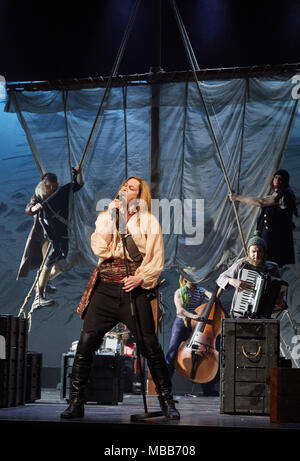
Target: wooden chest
249 349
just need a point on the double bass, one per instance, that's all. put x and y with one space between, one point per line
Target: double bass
197 358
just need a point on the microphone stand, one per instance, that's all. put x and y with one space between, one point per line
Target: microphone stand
146 414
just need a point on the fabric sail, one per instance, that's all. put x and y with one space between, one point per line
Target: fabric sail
251 118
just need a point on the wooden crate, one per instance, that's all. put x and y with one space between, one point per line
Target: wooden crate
249 349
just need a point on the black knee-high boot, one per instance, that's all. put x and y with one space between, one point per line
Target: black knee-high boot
160 374
79 377
79 380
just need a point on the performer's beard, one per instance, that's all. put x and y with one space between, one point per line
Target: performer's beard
256 262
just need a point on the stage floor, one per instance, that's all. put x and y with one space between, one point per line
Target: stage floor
112 425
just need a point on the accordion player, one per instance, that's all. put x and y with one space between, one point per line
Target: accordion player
259 291
262 292
259 299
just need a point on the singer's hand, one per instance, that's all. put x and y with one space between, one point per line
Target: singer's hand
114 205
132 282
117 204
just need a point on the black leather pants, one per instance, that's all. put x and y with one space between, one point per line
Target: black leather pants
109 306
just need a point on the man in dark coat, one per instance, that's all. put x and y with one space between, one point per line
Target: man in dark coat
275 222
50 208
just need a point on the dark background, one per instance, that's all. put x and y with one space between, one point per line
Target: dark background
59 40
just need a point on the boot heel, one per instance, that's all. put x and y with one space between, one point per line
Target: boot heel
74 410
168 408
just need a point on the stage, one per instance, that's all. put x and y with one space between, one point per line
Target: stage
111 425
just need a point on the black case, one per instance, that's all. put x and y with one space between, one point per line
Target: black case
285 396
13 366
105 382
34 363
249 349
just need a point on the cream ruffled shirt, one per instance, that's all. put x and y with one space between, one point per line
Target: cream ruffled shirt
146 232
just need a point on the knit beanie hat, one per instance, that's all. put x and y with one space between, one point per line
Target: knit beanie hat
256 240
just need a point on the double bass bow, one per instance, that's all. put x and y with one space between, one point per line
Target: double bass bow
197 358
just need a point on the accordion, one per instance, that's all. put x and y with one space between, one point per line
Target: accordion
259 300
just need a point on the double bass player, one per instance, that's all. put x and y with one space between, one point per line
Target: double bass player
186 298
192 309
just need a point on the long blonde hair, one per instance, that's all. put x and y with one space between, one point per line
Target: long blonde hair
144 192
41 191
144 195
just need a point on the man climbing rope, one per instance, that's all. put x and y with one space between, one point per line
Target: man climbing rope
50 208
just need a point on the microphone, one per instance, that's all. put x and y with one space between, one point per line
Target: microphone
122 198
121 219
117 209
117 197
115 215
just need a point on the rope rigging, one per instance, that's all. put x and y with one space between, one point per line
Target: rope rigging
93 133
195 67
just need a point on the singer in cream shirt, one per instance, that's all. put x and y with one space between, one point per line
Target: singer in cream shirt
113 299
146 232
